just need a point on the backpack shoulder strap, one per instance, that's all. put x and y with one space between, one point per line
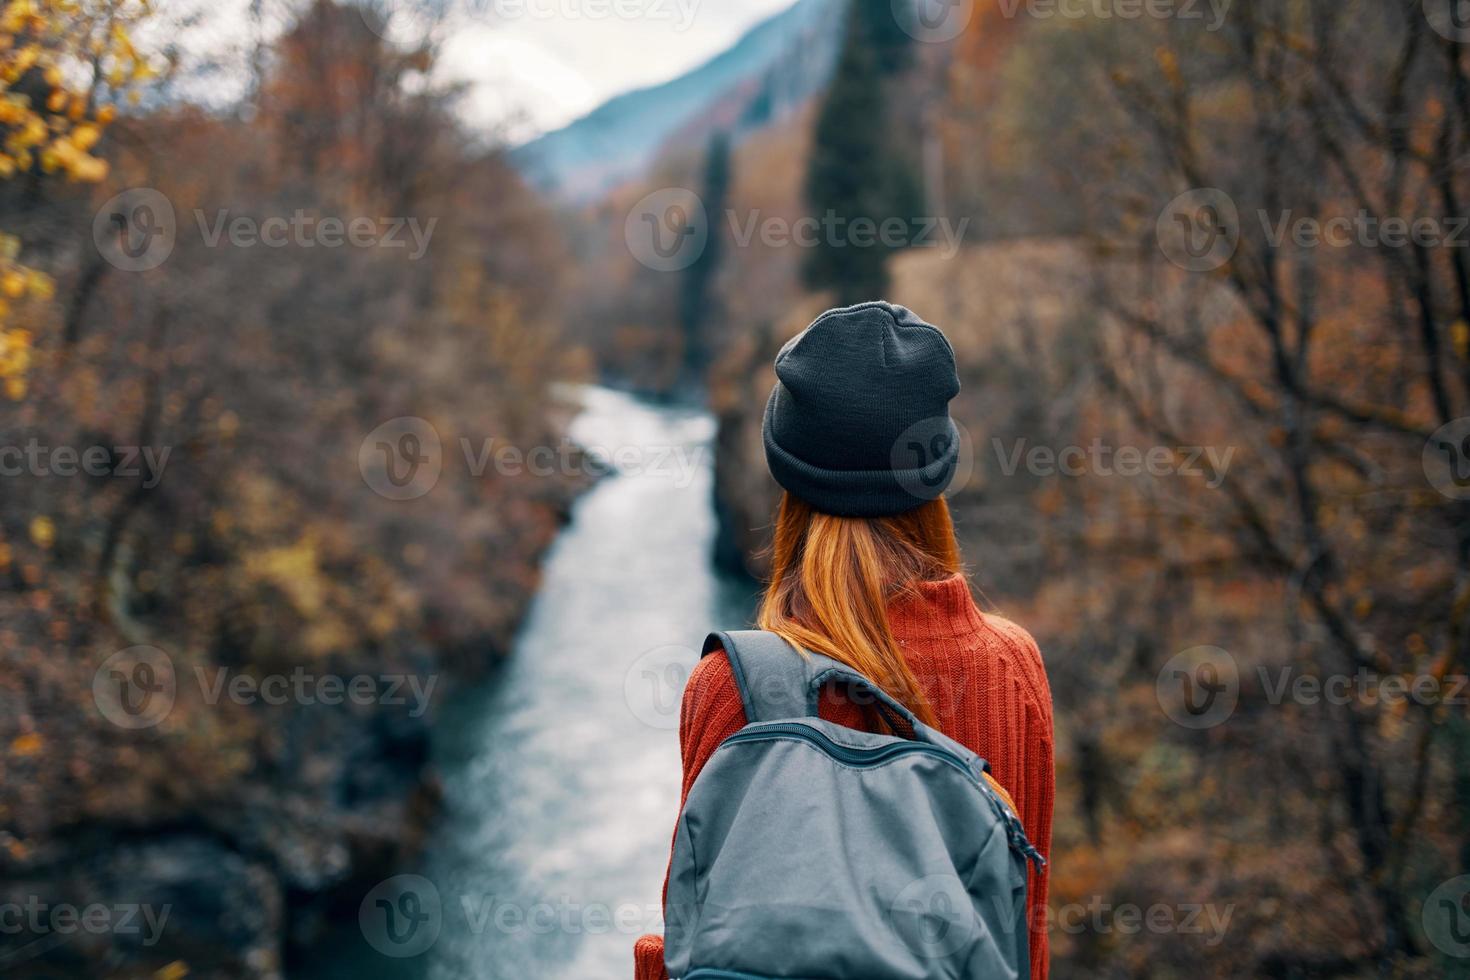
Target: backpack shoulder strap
775 680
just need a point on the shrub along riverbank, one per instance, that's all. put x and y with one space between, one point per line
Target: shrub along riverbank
225 612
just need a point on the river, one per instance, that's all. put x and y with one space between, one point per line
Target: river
561 775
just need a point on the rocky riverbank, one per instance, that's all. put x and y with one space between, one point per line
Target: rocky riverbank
279 786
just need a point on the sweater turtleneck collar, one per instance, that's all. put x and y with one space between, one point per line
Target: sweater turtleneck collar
936 610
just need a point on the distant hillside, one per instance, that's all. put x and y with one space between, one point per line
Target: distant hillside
774 68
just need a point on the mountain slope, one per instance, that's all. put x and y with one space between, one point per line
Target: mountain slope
773 68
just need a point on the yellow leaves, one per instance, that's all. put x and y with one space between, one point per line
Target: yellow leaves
15 358
17 282
15 348
1460 337
293 570
40 285
176 970
85 137
25 745
89 170
17 285
43 36
43 531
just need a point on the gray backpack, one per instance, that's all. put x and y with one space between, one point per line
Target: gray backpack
809 850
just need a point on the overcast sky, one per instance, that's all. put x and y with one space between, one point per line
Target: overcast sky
541 63
531 65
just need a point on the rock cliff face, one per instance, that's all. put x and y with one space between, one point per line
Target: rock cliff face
226 886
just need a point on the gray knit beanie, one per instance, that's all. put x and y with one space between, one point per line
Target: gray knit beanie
858 424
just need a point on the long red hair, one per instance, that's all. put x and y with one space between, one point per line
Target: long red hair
832 579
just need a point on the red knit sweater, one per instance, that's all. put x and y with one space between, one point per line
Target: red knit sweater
985 680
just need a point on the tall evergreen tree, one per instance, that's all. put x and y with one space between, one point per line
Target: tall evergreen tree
855 172
891 44
697 301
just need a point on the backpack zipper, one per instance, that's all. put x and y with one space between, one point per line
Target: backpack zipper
868 758
858 758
